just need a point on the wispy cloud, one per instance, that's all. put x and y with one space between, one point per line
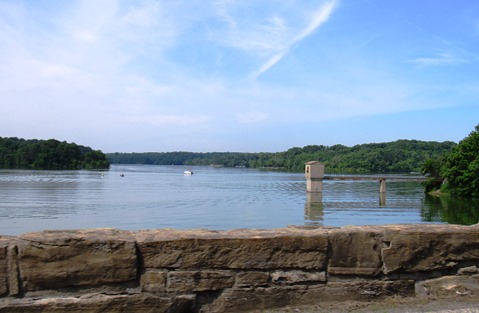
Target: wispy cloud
269 36
270 63
116 73
319 17
254 35
439 59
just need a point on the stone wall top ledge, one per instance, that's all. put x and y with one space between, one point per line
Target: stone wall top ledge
172 234
89 234
244 233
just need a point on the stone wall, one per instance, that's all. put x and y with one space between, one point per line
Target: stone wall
106 270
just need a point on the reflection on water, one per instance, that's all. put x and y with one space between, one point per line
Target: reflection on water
450 210
215 198
314 210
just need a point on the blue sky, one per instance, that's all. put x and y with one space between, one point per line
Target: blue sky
238 75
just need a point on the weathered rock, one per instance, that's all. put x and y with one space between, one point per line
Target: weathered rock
252 279
9 276
154 281
50 260
13 274
257 299
369 290
238 249
355 251
469 270
416 248
211 271
101 304
188 281
3 266
297 277
452 285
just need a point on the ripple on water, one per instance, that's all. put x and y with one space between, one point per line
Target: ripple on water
161 196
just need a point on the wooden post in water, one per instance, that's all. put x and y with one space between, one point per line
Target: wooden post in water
314 173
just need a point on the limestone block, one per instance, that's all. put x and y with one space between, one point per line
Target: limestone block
416 248
3 267
469 270
13 274
355 251
366 290
240 249
452 285
258 299
153 281
251 279
101 303
297 277
55 259
188 281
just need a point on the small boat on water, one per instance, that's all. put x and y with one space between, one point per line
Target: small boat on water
188 172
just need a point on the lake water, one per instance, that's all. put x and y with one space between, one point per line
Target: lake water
151 196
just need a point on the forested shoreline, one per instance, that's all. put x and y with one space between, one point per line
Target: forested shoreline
401 156
459 169
456 165
18 153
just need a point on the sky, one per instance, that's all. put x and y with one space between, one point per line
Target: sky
238 75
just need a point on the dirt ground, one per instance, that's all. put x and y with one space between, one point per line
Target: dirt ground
457 304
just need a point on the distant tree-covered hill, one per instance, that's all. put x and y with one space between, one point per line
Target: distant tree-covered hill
402 156
49 155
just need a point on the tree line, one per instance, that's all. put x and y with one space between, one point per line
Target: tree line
401 156
49 154
458 169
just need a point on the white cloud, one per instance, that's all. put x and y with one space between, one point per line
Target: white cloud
150 69
439 59
270 63
317 19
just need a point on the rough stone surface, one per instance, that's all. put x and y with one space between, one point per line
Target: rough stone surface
234 250
3 267
416 248
355 251
102 304
13 274
469 270
188 281
105 270
50 260
297 277
252 279
154 281
452 285
259 299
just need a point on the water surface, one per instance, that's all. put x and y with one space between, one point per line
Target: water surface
151 196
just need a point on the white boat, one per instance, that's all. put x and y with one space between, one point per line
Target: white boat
188 172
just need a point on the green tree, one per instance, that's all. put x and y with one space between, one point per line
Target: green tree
432 168
48 155
462 166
